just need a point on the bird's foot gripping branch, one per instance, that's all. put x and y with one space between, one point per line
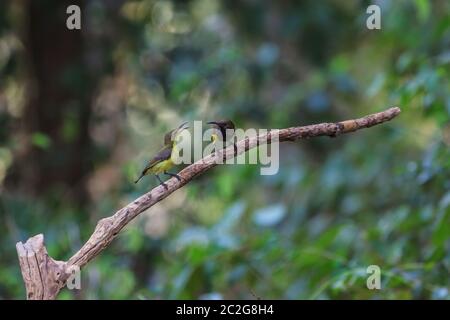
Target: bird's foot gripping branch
44 277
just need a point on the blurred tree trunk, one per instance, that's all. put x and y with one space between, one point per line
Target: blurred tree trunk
59 106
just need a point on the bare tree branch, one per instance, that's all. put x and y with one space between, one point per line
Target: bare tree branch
44 277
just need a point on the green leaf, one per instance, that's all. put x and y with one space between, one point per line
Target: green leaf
423 9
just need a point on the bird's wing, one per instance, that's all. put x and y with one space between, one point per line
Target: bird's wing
223 132
164 154
222 126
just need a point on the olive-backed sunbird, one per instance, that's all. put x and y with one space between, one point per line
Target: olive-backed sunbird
163 160
224 131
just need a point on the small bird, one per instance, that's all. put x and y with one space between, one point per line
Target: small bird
163 160
224 132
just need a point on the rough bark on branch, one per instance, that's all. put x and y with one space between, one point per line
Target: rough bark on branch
44 277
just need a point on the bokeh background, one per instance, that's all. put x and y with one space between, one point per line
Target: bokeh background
81 112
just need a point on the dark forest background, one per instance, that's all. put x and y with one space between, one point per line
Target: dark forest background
81 112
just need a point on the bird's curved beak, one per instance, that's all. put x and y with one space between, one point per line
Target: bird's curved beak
183 126
212 122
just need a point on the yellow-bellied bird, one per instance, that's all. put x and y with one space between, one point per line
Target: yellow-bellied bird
224 131
163 160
